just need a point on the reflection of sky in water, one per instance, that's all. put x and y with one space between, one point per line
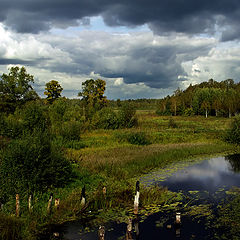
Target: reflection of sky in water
208 175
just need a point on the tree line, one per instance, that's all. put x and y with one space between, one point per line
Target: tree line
207 98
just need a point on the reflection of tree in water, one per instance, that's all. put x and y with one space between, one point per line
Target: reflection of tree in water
234 161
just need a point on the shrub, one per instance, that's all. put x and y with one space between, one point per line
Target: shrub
233 135
71 130
31 164
138 138
172 123
127 116
106 118
13 126
34 116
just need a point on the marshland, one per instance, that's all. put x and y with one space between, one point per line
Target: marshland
95 149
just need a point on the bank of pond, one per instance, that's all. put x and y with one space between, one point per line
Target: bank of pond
198 199
193 199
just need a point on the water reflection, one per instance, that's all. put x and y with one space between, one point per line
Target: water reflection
234 161
208 175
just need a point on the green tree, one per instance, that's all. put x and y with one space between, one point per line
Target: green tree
16 89
218 95
53 91
230 101
93 96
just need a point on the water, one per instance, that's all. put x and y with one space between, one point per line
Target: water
209 179
209 175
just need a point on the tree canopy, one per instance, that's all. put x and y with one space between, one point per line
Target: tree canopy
93 95
53 90
16 89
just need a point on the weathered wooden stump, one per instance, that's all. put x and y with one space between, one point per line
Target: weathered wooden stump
56 203
101 233
83 197
49 207
30 207
136 198
17 205
129 230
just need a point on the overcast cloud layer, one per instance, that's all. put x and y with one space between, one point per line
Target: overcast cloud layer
183 42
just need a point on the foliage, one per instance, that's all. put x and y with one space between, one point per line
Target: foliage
31 116
228 222
53 91
172 123
138 138
34 116
16 89
10 228
93 96
233 135
207 98
106 118
71 130
127 116
31 164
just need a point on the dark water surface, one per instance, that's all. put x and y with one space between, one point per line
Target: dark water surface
210 177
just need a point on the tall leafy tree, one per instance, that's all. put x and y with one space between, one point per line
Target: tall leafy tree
93 95
16 89
53 91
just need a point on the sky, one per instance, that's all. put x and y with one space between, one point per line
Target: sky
141 48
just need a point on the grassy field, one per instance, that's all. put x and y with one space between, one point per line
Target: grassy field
117 158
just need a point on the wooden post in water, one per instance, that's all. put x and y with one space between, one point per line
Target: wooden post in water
129 230
83 197
136 198
30 207
49 207
178 224
178 218
17 205
101 233
136 227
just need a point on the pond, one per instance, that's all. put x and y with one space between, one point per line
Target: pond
205 184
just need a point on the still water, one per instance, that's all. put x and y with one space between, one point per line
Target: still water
210 178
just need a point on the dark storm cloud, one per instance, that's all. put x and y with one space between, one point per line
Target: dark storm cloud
162 16
4 61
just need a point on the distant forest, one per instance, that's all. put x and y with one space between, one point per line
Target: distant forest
207 98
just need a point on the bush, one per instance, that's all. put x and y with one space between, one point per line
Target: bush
233 135
172 123
13 126
31 164
138 138
71 130
106 118
33 116
127 116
